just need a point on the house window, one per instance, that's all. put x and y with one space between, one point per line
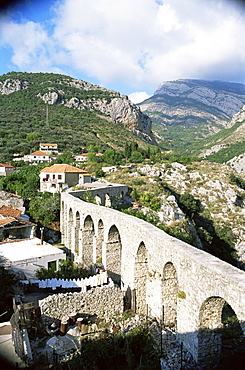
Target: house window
52 265
59 177
53 176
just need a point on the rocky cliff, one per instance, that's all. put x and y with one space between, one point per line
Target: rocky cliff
81 95
188 101
185 111
219 225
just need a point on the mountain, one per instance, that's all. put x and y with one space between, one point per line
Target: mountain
228 144
46 107
186 112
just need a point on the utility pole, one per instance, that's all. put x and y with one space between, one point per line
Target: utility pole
47 123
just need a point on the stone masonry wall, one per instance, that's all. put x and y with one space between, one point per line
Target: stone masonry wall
101 301
183 296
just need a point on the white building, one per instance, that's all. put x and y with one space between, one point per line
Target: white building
28 255
6 169
37 157
49 148
81 157
59 177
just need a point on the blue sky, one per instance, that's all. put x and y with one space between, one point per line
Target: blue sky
130 46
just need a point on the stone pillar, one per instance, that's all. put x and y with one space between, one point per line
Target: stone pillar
94 248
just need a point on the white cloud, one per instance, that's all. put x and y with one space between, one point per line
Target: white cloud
138 96
143 42
138 43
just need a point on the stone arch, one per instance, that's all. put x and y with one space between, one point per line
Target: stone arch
77 232
107 200
169 295
69 232
217 324
88 240
140 278
100 239
98 200
113 254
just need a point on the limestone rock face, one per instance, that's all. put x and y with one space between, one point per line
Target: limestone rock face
195 103
10 85
237 135
82 95
120 110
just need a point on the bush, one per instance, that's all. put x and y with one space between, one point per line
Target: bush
189 204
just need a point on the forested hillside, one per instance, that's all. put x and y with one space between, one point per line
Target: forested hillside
39 107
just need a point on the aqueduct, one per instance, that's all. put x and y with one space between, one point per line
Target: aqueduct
184 287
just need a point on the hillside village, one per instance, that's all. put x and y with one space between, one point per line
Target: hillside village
191 198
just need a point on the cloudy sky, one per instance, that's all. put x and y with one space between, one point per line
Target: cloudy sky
126 45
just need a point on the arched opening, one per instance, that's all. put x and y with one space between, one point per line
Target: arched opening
219 333
169 296
99 243
87 238
69 232
140 278
107 200
77 232
113 255
98 200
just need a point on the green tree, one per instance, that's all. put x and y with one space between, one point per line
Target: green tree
189 204
136 157
112 156
45 209
65 157
33 136
24 182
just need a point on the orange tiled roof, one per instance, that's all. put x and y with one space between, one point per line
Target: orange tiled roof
10 212
6 221
48 144
62 168
6 165
38 152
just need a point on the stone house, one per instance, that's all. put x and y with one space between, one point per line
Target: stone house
6 169
37 157
59 177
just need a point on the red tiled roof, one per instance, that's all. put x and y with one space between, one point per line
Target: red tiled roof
6 165
10 212
38 152
48 144
6 221
62 168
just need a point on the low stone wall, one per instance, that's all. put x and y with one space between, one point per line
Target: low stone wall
101 301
